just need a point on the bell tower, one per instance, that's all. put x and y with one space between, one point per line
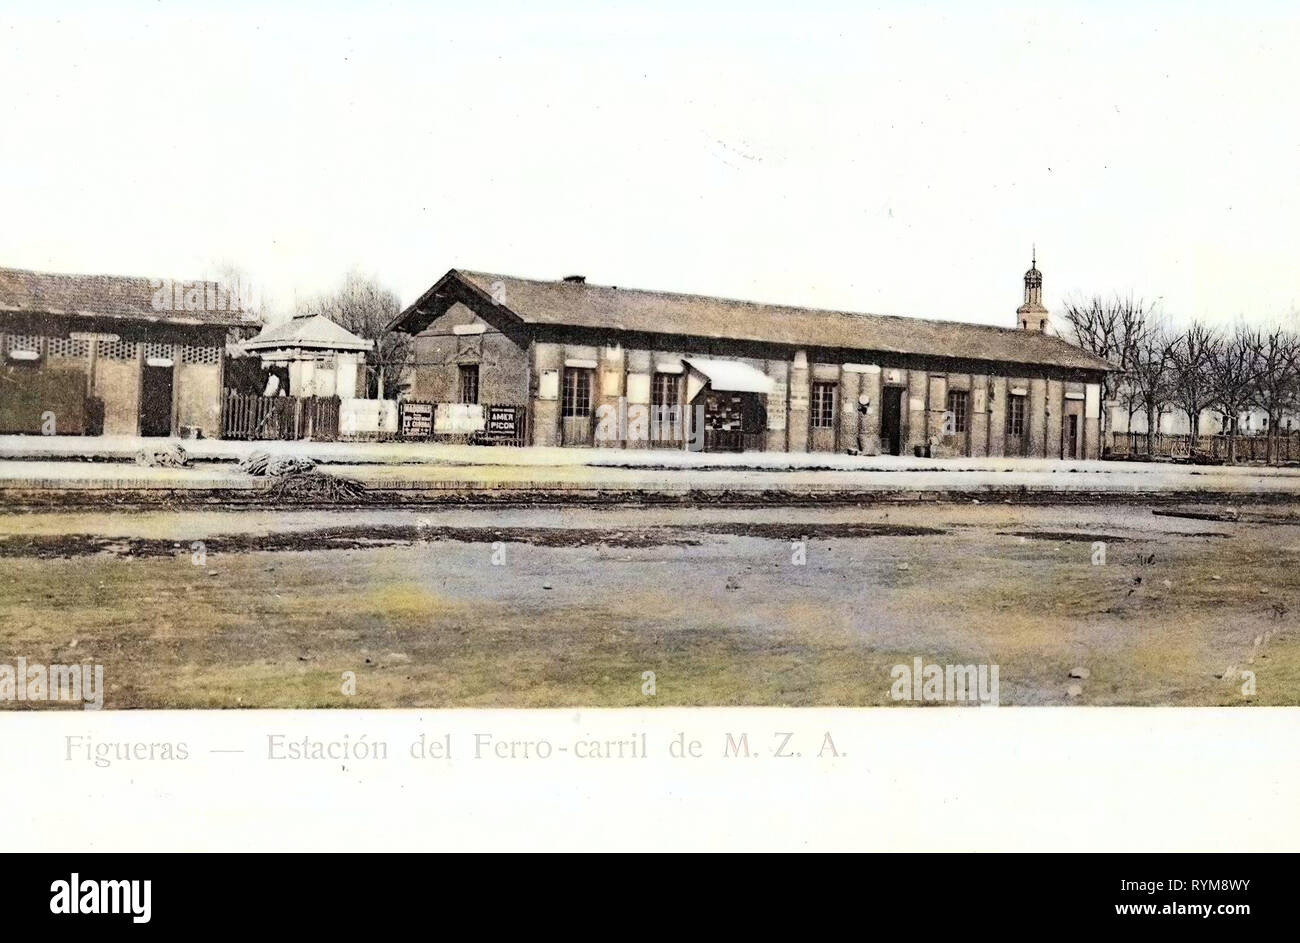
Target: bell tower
1032 316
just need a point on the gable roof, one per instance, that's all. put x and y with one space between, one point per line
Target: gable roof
314 331
117 296
577 304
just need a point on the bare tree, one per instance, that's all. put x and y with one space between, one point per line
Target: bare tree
1151 376
241 292
1191 357
1115 330
365 307
1277 387
1234 371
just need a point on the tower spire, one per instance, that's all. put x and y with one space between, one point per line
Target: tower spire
1032 316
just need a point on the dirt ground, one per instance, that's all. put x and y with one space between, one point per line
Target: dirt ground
570 607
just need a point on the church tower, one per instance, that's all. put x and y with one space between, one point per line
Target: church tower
1032 316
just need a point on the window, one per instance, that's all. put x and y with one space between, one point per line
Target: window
30 342
663 392
577 393
823 405
201 353
67 347
957 410
469 383
117 350
1015 415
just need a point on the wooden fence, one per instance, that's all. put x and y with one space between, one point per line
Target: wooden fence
1249 448
280 417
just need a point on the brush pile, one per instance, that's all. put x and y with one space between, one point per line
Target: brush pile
163 456
296 479
315 486
275 466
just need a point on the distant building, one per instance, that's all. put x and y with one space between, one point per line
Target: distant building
1173 421
113 355
750 376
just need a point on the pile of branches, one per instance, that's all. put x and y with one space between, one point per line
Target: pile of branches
315 486
297 480
164 456
274 466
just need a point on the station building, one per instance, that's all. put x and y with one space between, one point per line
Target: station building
114 355
721 374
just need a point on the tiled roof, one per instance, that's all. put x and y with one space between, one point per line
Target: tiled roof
310 331
120 297
577 304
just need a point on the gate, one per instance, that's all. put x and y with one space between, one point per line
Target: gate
280 417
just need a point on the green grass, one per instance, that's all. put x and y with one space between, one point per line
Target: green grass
728 622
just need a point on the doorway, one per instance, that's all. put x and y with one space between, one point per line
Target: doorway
824 416
667 416
891 420
576 427
1070 445
1015 442
156 401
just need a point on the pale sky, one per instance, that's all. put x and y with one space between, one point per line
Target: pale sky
896 158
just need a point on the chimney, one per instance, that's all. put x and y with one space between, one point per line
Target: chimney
576 279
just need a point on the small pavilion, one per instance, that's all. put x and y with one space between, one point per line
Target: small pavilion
321 358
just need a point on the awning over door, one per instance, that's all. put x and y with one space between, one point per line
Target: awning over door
731 376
